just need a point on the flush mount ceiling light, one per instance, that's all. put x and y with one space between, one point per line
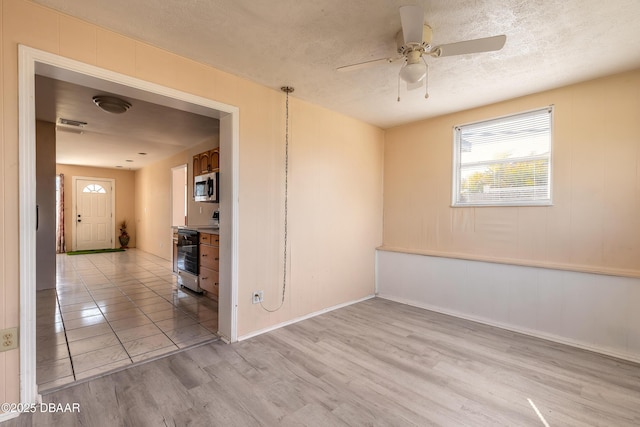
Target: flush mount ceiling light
111 104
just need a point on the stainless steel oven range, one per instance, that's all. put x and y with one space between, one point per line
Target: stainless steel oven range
188 258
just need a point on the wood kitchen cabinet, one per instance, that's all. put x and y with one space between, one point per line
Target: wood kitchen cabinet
205 165
214 159
196 165
209 264
205 162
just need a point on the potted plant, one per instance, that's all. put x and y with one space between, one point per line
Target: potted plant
124 236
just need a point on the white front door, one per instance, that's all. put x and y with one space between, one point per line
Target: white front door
94 214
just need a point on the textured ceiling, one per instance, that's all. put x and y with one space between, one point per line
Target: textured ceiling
550 43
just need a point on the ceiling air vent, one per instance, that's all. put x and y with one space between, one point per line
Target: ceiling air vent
69 122
68 125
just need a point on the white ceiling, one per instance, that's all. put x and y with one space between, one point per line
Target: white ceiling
550 43
116 140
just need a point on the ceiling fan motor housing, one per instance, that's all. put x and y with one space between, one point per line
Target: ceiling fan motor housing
424 46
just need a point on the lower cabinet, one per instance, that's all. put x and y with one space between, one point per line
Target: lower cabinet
209 262
209 282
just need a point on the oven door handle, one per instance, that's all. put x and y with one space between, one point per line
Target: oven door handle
186 246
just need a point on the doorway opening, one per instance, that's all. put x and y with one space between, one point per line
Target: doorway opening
34 62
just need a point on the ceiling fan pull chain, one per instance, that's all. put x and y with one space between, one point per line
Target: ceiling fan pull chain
287 90
398 87
426 79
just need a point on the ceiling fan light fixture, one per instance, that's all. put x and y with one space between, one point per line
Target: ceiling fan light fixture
111 104
413 73
415 69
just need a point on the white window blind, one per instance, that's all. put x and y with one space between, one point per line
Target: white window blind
504 161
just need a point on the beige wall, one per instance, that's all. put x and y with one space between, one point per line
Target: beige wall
153 201
153 206
594 223
336 200
335 211
125 198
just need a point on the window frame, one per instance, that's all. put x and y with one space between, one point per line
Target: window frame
456 177
95 189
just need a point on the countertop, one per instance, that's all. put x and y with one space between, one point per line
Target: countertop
201 228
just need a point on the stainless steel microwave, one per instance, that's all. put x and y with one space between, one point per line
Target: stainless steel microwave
205 188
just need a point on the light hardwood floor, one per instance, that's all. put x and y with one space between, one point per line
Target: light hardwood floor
375 363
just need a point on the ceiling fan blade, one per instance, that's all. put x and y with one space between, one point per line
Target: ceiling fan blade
366 64
412 18
486 44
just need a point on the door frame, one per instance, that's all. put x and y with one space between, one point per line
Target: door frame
74 208
33 61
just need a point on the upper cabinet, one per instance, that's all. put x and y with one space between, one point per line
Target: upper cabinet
214 159
196 165
208 161
205 165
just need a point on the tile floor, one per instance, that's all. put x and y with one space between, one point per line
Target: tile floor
111 310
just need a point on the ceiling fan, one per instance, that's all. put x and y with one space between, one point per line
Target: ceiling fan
414 43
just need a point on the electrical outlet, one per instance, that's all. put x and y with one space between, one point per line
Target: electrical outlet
258 296
8 339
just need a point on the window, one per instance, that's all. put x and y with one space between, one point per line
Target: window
504 161
93 188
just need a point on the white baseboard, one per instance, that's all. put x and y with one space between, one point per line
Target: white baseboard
298 319
538 334
6 416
